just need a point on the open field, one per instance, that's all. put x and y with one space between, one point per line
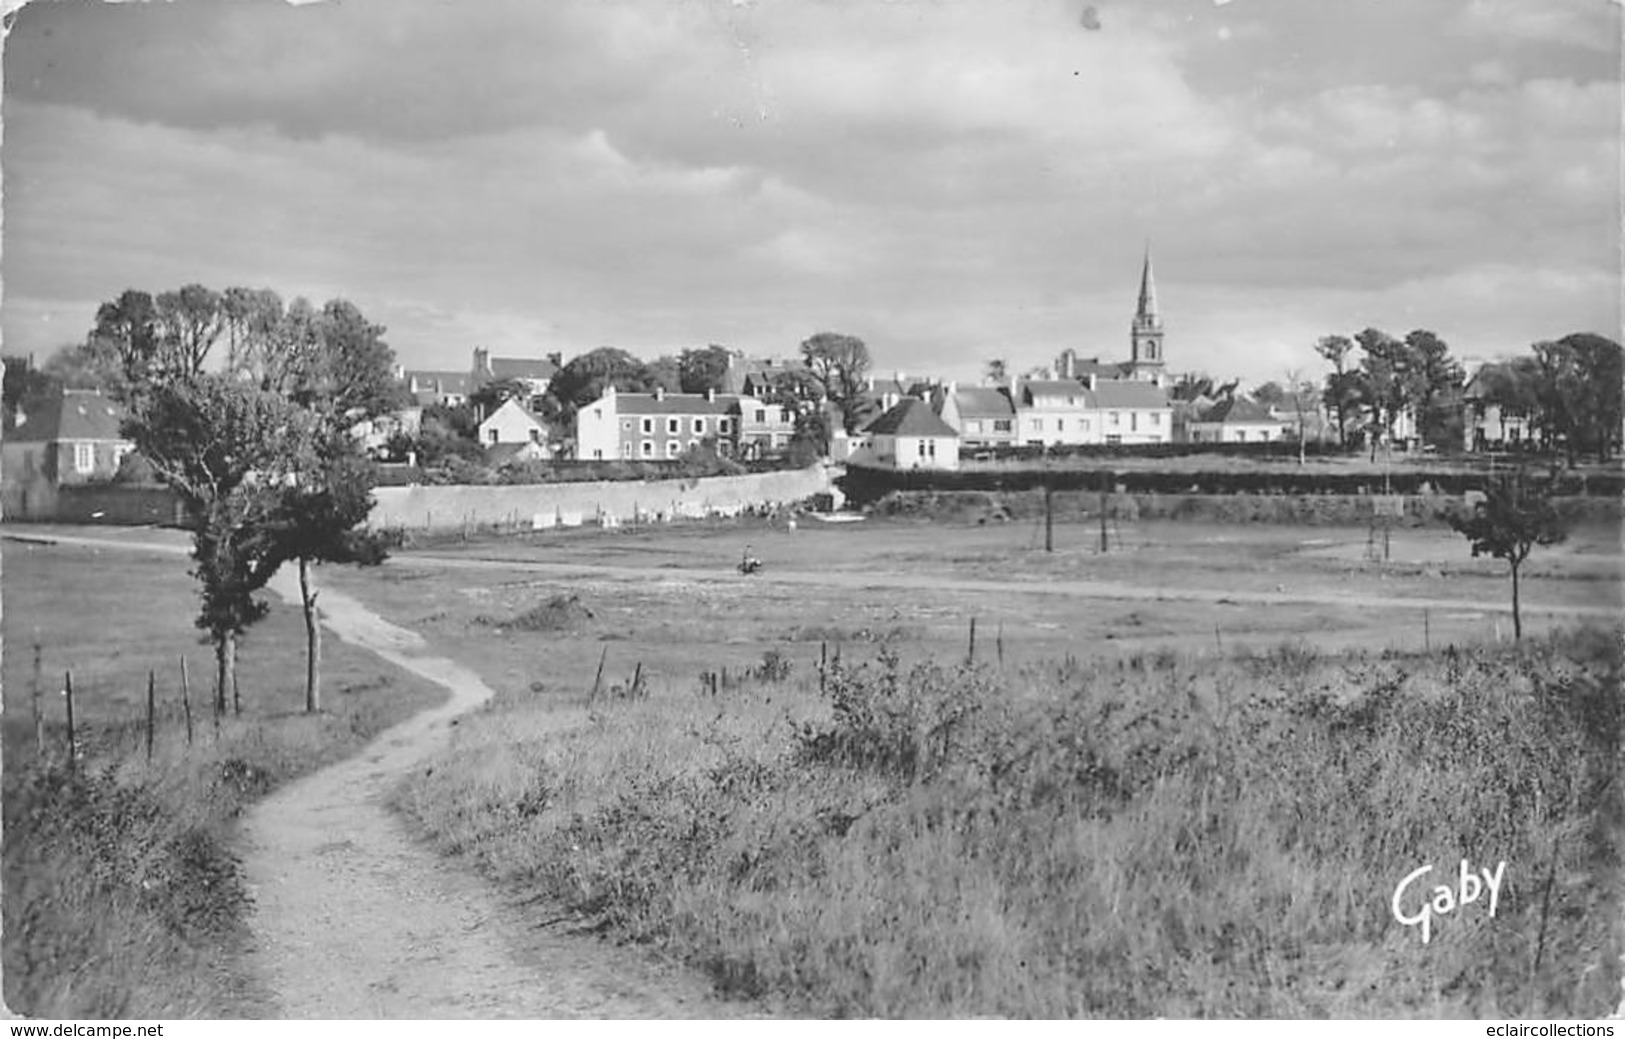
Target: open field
1116 810
122 896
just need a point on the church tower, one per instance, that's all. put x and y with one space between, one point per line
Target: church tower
1145 336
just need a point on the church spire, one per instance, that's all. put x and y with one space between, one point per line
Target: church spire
1146 313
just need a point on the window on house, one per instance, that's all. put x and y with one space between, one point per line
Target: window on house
626 449
699 426
1001 425
1134 420
724 425
597 412
536 436
761 414
1114 418
648 449
1241 436
648 426
1156 418
693 445
491 436
1113 438
84 457
672 447
1060 425
673 427
1038 425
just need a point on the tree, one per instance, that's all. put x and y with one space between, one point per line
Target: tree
1438 379
1577 387
840 364
1297 393
588 375
1342 393
1389 380
1514 517
664 372
228 449
26 388
356 373
997 373
189 322
1269 394
318 519
492 395
123 346
703 370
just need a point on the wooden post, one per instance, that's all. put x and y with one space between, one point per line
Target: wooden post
73 739
598 679
823 664
39 712
1427 633
1049 518
637 679
186 700
152 707
998 642
970 656
1105 498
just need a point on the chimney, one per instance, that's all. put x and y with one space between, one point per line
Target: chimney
1091 378
660 393
711 394
556 360
482 361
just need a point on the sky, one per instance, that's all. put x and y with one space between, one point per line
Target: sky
950 180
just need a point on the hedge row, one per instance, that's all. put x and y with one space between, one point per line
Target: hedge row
474 474
1298 510
862 485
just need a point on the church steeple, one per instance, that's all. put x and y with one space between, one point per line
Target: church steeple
1145 335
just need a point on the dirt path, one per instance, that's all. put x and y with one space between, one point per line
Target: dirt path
356 919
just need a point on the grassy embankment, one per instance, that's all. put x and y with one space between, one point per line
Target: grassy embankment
1168 835
123 897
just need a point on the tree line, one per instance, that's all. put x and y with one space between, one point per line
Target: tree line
1569 389
242 404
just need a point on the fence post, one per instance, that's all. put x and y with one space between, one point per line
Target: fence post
39 712
998 642
970 656
598 679
1427 633
73 739
152 706
823 664
186 700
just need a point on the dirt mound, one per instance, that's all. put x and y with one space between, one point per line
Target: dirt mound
560 613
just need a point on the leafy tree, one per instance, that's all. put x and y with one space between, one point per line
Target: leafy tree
665 373
997 373
229 450
588 375
251 319
497 392
319 518
1192 385
1438 378
703 370
189 323
1269 394
356 374
840 364
1390 381
1515 516
1577 386
1342 394
446 432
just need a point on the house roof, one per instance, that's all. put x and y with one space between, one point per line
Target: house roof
980 402
1110 393
674 404
513 403
522 368
71 415
911 417
1239 409
444 382
1084 366
1054 388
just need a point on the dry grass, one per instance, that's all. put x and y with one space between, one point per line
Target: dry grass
123 896
1166 837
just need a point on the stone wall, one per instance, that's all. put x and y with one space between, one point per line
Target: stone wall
574 504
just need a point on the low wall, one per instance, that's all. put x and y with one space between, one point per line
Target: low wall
572 504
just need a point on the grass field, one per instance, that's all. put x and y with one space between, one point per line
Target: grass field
122 896
1125 806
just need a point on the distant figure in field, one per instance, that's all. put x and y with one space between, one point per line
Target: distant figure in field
749 564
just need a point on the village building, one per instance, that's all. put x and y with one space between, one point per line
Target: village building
1131 412
70 438
658 425
1486 424
436 387
907 436
534 373
983 416
512 423
1235 420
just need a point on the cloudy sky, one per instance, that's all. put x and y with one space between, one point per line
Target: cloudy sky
951 180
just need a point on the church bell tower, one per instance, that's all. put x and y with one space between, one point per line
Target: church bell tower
1145 335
